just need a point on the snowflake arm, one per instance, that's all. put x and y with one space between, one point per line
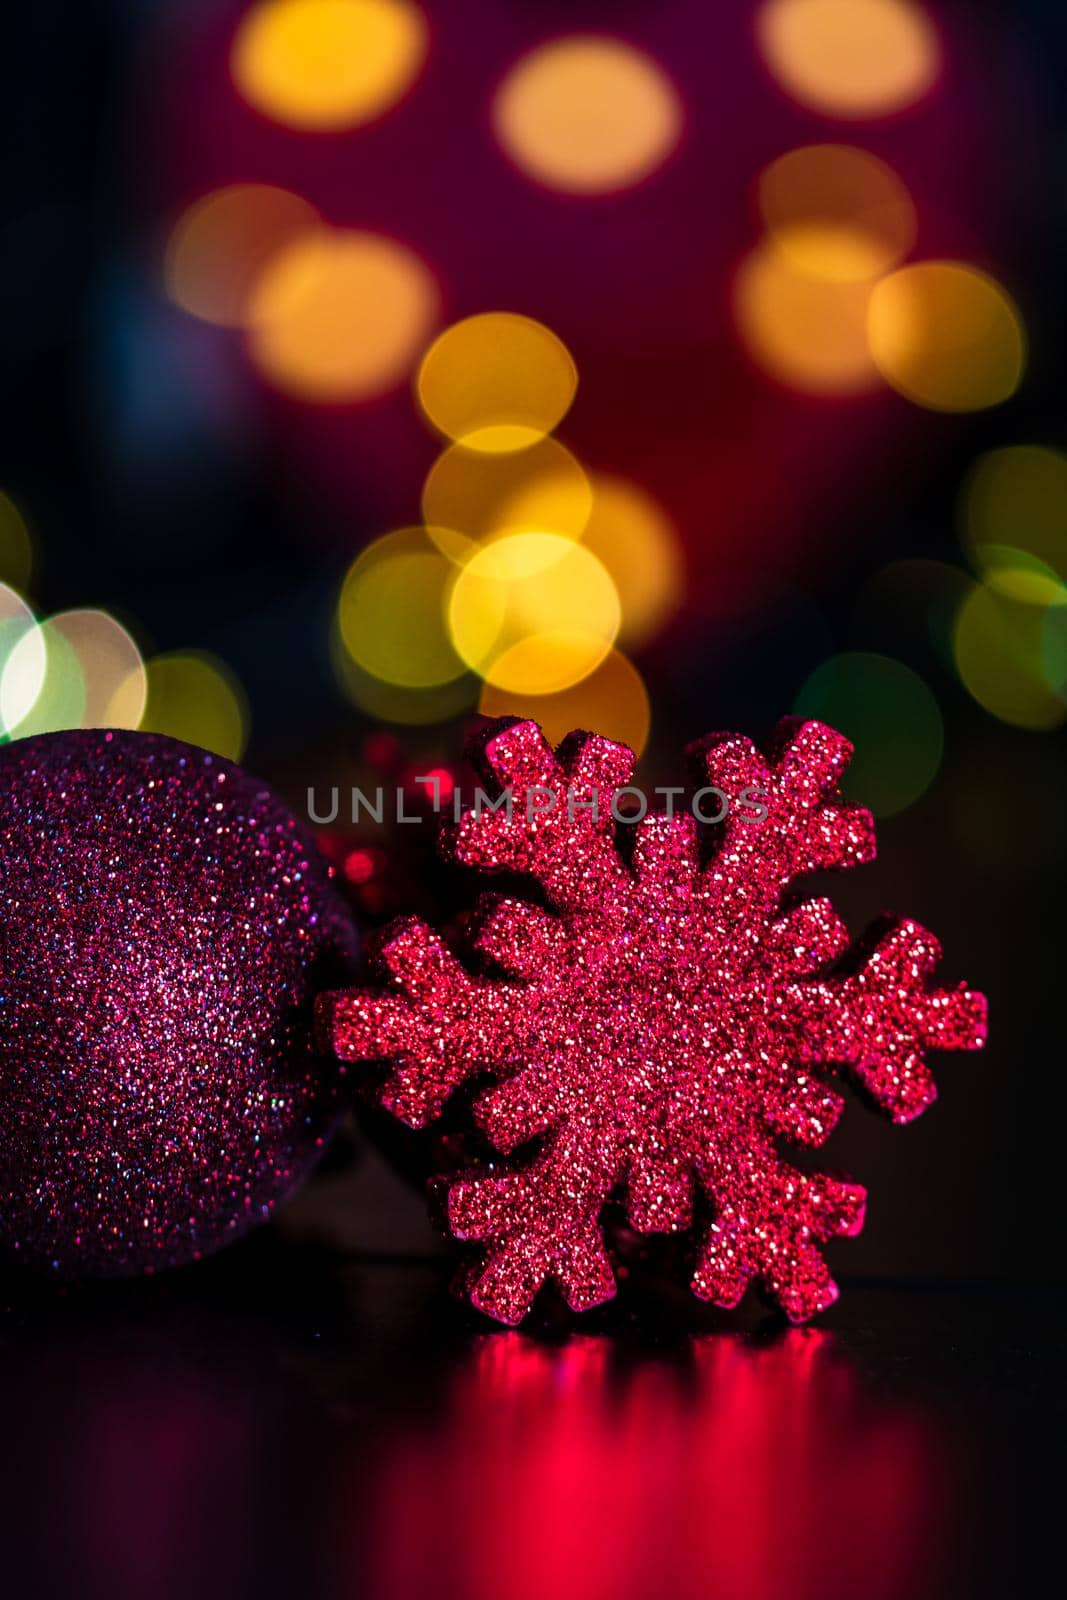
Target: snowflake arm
435 1023
568 845
879 1022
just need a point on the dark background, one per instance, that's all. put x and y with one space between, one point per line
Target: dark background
228 526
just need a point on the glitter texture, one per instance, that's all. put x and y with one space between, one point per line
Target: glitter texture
165 924
659 1026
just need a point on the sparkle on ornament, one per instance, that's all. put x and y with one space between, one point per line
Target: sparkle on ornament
661 1026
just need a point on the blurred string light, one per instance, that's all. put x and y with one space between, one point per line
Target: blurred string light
837 213
497 381
391 613
915 600
893 720
33 701
1004 648
77 669
808 332
587 114
1016 497
223 241
533 613
1010 637
16 546
392 702
850 58
325 65
478 496
612 700
21 643
340 315
638 546
946 336
193 696
526 569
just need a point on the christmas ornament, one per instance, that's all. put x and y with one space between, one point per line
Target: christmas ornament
164 925
660 1023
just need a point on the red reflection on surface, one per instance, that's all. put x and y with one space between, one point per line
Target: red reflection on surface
756 1472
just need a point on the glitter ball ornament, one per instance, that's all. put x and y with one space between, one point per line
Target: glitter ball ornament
660 1023
164 925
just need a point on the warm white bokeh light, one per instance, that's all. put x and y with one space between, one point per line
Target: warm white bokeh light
850 58
498 381
340 315
221 244
587 114
946 336
836 212
809 333
324 65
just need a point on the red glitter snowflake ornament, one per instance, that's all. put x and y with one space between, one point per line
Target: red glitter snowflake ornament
662 1025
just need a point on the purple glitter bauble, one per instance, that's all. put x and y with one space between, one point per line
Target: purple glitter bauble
165 923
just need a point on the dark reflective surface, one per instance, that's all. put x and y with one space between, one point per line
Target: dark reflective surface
287 1423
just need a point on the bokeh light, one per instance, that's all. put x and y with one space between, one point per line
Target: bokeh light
639 547
32 701
1001 648
392 611
1017 574
21 680
221 244
1017 496
391 702
946 336
533 613
836 212
587 115
850 58
497 381
539 490
341 315
611 701
893 720
112 671
323 65
194 696
809 333
16 546
909 608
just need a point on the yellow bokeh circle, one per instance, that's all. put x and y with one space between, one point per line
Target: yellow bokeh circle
850 58
639 547
587 115
194 696
221 244
324 65
809 333
341 315
1018 496
611 701
23 659
393 702
16 546
540 490
533 612
392 611
836 212
497 381
110 663
946 336
999 648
